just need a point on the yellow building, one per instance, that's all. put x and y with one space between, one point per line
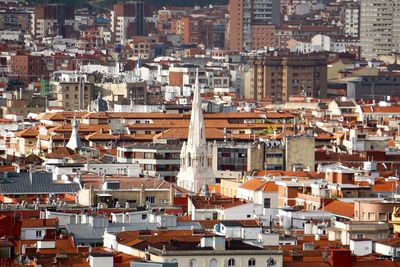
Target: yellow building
396 219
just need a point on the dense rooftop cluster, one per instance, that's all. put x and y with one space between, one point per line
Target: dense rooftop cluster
259 133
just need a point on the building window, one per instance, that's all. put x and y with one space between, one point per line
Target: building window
144 216
151 200
382 216
38 233
231 262
213 263
252 263
267 203
192 263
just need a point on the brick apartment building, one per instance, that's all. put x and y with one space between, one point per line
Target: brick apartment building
282 75
28 68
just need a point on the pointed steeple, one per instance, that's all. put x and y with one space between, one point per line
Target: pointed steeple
196 154
196 128
75 140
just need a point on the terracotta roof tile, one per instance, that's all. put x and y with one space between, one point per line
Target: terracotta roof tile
28 133
340 208
259 184
26 223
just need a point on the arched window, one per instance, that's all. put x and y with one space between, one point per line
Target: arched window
213 263
252 263
192 263
231 262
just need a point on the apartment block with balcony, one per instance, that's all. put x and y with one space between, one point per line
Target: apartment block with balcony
346 231
154 159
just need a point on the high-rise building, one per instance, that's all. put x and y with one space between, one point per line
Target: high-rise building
127 20
52 20
281 76
196 154
246 13
380 28
352 20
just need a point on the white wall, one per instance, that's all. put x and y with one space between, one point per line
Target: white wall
361 247
242 212
46 244
31 233
385 250
101 261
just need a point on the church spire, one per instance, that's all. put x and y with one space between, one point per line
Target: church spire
196 154
196 135
75 140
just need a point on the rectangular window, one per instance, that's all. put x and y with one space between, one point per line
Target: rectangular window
38 233
151 199
267 203
371 216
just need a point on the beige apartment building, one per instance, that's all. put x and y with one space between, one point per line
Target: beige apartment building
73 95
281 76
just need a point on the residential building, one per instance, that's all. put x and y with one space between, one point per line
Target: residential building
53 20
235 159
263 36
34 188
374 210
302 33
246 16
73 95
372 87
345 231
299 153
281 76
28 68
127 20
39 229
154 159
352 20
128 92
274 157
395 220
184 249
379 28
118 190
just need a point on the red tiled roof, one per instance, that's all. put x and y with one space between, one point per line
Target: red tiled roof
259 184
28 133
26 223
340 208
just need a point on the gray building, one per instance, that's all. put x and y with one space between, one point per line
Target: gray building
155 159
373 87
292 153
299 153
380 28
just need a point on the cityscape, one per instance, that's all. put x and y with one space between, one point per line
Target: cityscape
200 133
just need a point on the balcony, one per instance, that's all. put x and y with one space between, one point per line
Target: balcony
361 226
